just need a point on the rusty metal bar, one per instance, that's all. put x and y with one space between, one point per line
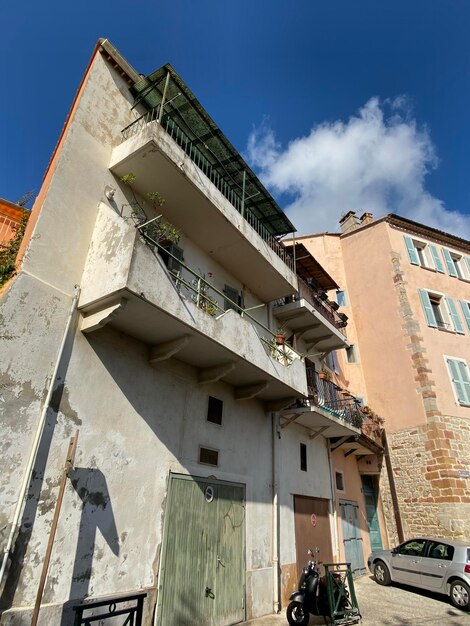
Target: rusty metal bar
63 481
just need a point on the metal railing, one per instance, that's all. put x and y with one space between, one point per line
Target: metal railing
330 397
228 187
208 298
313 297
132 615
319 304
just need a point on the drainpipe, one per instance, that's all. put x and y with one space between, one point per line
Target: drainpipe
333 501
37 439
393 488
275 534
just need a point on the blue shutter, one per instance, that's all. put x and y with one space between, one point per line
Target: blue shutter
436 258
429 313
454 315
466 312
449 262
467 260
414 258
460 380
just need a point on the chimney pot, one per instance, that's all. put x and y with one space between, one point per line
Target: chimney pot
366 218
348 222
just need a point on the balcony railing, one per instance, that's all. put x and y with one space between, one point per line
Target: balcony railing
331 398
206 296
228 187
319 303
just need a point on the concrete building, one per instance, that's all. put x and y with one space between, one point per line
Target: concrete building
406 290
156 311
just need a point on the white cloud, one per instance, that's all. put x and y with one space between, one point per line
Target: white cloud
377 162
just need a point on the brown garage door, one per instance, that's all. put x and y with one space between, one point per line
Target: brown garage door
312 529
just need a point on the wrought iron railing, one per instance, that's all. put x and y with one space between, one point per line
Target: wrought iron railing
91 612
227 186
207 297
330 397
321 305
318 302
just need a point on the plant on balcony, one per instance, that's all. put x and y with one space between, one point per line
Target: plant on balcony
325 374
373 425
280 352
160 230
9 251
280 336
205 302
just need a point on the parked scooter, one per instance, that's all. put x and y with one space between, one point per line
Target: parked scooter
311 596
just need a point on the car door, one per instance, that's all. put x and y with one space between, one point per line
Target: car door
434 565
406 560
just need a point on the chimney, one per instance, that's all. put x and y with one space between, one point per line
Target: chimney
366 218
348 222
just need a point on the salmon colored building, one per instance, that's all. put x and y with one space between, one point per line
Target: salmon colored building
10 218
406 290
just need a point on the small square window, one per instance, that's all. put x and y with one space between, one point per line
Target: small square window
303 457
341 298
339 477
214 410
208 456
351 354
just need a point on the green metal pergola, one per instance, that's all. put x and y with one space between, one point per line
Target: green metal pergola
165 92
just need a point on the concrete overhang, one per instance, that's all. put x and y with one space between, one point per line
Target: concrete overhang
126 285
196 206
317 420
310 325
226 348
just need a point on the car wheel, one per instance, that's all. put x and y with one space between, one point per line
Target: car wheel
381 573
460 595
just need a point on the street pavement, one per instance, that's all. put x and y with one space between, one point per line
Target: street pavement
395 605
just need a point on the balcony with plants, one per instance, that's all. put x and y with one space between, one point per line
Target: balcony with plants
309 313
137 282
210 191
336 414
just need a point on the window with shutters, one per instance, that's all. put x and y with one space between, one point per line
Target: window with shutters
457 264
233 299
460 378
441 311
423 254
465 306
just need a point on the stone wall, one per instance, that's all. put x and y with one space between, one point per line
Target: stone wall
429 464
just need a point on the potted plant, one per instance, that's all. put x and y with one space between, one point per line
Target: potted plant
280 336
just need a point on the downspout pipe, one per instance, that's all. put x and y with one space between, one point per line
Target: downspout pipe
37 440
275 529
334 525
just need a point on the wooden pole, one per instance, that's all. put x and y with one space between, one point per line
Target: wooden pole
45 566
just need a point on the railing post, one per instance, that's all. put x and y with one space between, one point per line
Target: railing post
243 194
198 295
167 80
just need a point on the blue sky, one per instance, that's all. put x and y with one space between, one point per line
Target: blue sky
285 81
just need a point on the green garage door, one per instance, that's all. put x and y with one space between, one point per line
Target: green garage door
202 579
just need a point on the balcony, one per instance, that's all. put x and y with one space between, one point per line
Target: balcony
309 314
180 314
336 414
210 193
